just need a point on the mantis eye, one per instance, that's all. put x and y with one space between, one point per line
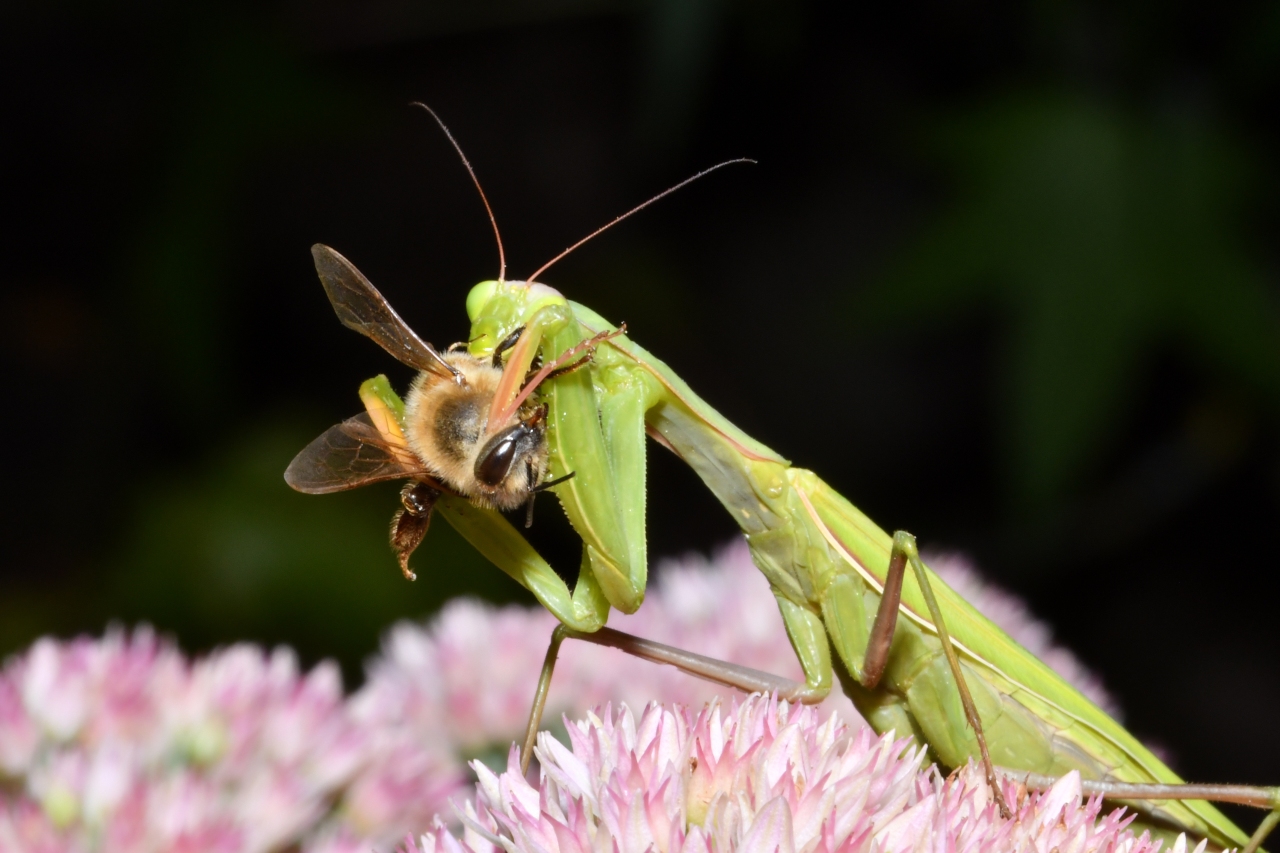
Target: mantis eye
503 450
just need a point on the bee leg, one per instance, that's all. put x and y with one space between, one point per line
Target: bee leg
407 531
583 361
409 525
507 343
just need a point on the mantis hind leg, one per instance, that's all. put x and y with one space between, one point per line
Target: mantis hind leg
867 658
1264 829
1245 795
905 553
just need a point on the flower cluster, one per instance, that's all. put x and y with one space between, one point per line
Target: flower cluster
760 777
122 744
467 679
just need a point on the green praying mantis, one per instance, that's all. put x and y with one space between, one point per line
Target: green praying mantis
547 395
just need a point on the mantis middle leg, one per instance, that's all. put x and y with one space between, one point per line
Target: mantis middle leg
878 646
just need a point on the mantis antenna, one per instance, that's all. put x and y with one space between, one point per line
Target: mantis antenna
635 209
502 258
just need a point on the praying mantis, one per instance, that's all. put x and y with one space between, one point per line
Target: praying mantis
568 404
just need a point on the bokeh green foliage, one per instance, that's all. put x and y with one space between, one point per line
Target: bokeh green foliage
1098 236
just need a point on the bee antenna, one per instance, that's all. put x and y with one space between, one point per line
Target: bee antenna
635 209
502 258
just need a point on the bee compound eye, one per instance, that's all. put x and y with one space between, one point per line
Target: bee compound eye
507 449
496 459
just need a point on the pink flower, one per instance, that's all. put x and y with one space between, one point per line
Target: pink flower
462 686
122 744
759 777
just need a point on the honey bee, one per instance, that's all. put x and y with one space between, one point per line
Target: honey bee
446 443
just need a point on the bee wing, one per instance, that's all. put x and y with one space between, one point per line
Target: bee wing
361 307
350 454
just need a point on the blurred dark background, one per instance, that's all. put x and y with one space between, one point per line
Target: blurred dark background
1005 275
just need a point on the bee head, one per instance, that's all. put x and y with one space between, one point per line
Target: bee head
522 442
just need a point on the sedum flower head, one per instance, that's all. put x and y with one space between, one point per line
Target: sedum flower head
466 679
461 686
123 744
760 777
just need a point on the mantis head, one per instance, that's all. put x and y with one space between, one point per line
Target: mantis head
497 308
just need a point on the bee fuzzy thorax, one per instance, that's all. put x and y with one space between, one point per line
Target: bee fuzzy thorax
446 426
